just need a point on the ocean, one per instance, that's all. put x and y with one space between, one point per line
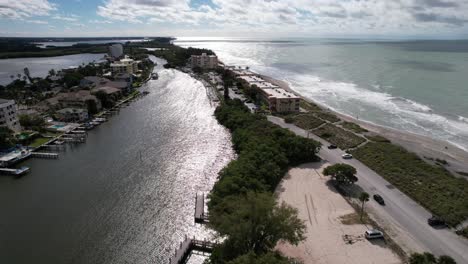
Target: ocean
419 87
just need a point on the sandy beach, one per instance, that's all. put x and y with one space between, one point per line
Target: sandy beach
425 147
322 207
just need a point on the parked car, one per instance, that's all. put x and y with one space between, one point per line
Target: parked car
332 146
435 221
379 199
347 156
373 234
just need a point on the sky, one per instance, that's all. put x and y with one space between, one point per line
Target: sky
235 18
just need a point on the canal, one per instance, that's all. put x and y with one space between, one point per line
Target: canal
127 194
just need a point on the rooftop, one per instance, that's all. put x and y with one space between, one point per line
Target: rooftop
251 79
72 110
280 93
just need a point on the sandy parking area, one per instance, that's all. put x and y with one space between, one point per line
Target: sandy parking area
328 240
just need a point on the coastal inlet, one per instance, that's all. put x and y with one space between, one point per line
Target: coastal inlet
127 194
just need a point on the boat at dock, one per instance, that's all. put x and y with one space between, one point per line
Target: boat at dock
15 172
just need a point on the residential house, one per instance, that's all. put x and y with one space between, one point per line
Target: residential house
72 115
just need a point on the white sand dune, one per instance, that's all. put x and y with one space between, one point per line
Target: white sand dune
328 240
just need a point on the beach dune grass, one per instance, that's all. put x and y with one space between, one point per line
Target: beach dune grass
338 136
332 118
353 127
306 121
431 186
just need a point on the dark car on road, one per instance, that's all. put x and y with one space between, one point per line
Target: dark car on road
379 199
332 146
435 221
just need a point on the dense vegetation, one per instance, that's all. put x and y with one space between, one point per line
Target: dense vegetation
428 258
24 47
242 207
177 56
430 185
338 136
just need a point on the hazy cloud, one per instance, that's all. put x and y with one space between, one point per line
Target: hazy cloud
20 9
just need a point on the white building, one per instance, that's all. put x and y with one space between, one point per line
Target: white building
204 61
8 116
125 65
116 50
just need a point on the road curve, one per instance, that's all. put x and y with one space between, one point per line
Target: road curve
399 208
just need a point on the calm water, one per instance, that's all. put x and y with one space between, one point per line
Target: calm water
127 195
39 67
420 87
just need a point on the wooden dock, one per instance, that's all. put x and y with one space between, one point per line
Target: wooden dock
200 216
15 172
45 155
186 248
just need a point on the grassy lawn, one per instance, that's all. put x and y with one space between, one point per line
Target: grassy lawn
353 127
306 121
338 136
432 186
39 141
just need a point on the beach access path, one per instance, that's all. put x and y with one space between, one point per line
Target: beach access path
401 217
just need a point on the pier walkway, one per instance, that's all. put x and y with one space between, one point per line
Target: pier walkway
200 216
189 245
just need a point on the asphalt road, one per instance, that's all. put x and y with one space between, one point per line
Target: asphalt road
399 208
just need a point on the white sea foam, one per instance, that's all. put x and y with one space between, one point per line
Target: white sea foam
377 106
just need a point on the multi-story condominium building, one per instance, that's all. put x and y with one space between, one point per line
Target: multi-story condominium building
125 65
204 61
8 116
116 51
280 100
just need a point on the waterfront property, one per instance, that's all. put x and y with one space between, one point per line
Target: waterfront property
72 114
125 65
8 116
204 61
280 100
277 99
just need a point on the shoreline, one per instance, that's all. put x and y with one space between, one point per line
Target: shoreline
423 146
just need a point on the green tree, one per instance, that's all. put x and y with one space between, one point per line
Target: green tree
343 174
428 258
363 197
52 72
6 137
254 222
27 74
92 107
446 260
31 121
106 101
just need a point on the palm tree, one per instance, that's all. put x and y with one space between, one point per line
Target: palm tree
363 197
